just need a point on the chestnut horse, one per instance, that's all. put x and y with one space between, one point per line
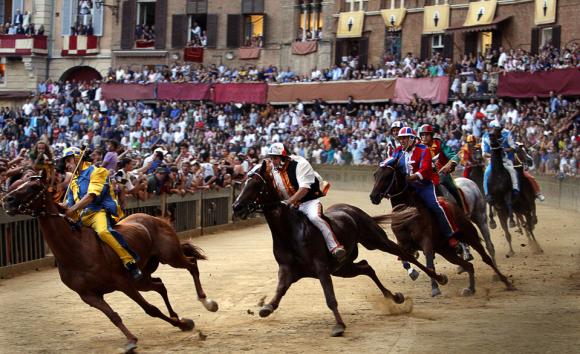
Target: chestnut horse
91 268
299 247
416 229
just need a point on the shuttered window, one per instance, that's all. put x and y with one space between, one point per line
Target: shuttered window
128 24
179 30
252 7
66 16
535 42
2 9
211 30
160 24
17 5
234 34
556 36
448 46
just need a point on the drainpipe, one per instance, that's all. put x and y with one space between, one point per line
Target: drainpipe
50 39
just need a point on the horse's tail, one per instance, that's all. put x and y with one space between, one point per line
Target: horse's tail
190 250
400 217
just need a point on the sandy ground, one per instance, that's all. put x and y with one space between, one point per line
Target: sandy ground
38 314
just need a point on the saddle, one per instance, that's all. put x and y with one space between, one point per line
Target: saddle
441 190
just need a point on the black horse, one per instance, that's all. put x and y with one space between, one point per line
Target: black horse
477 168
299 247
417 229
500 188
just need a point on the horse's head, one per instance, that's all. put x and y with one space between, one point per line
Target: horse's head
256 191
28 196
386 184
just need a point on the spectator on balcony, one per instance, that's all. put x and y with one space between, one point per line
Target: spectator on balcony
40 30
18 18
195 30
20 29
26 20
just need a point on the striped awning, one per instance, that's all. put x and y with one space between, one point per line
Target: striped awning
480 28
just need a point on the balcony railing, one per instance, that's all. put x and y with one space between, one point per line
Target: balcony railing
80 45
19 45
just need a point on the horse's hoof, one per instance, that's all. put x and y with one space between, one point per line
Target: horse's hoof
130 348
443 280
266 310
187 324
467 292
512 224
413 274
338 330
460 270
209 305
398 298
435 292
492 225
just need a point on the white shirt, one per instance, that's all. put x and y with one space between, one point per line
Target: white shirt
305 175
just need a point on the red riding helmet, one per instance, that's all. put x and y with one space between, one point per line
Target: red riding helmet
426 129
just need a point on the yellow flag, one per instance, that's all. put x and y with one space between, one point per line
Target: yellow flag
394 17
545 12
350 24
480 13
435 18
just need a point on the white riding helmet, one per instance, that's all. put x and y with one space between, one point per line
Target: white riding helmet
277 149
494 124
397 124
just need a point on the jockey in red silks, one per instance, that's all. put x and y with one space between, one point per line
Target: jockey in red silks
415 160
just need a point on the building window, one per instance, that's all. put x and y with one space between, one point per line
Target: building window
2 73
546 37
197 30
253 30
437 44
356 5
145 29
311 21
392 45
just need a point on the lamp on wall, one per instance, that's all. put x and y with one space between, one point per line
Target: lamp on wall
114 8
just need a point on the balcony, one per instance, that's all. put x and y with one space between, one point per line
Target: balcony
20 45
78 46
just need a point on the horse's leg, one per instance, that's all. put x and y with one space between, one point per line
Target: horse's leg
156 284
481 221
430 260
452 257
492 223
285 279
191 265
503 221
530 233
510 211
519 223
363 268
99 303
478 247
183 324
326 282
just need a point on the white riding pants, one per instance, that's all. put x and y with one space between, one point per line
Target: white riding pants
509 165
313 210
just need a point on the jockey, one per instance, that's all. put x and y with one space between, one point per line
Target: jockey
525 161
90 196
299 185
508 146
444 160
392 141
416 161
466 154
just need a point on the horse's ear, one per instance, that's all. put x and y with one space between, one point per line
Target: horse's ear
263 168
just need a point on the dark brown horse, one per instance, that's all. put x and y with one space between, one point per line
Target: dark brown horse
91 268
416 229
299 247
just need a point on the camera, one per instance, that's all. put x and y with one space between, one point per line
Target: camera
120 177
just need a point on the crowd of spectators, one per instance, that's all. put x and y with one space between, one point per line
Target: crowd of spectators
22 25
198 37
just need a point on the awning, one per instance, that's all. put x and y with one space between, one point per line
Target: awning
481 28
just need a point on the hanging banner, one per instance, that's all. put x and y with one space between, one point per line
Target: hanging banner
394 18
350 24
480 13
435 18
545 12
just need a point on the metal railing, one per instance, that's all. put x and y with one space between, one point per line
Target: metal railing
21 237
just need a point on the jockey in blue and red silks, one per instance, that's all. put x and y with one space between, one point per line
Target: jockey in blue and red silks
416 162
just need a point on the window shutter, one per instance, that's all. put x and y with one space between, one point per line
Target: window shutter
195 7
425 45
258 6
556 35
179 31
2 7
448 46
363 51
264 30
234 31
98 20
247 6
128 27
535 43
211 30
160 24
66 22
17 5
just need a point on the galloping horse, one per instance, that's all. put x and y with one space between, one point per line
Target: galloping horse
299 247
504 204
416 229
91 268
477 167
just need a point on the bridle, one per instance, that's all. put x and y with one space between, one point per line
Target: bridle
394 181
25 207
255 206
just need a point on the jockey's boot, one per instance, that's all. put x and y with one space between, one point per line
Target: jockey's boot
540 197
136 273
338 252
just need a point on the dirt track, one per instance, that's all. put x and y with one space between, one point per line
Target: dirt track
38 314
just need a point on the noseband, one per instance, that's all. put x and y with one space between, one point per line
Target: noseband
254 206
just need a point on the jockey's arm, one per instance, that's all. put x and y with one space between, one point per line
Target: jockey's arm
81 204
301 193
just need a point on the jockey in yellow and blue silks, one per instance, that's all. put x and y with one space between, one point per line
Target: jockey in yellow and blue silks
90 194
